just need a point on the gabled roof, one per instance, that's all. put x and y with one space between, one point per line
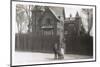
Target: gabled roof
57 11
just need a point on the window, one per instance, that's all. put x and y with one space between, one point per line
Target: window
48 21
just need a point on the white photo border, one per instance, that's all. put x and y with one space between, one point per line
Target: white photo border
12 30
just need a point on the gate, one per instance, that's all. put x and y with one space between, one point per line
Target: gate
71 36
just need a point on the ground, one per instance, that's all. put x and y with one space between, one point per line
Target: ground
24 58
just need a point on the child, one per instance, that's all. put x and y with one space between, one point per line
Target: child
55 49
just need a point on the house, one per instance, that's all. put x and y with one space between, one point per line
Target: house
47 23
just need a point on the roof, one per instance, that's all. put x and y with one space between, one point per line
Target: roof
58 11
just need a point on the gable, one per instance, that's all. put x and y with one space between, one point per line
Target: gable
58 11
48 17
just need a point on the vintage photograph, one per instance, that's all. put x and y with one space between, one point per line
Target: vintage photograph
45 33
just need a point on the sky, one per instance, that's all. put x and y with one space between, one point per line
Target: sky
71 10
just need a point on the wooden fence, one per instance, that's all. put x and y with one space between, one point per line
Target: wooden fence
30 42
38 43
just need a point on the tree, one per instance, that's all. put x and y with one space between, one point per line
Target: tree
23 16
87 19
